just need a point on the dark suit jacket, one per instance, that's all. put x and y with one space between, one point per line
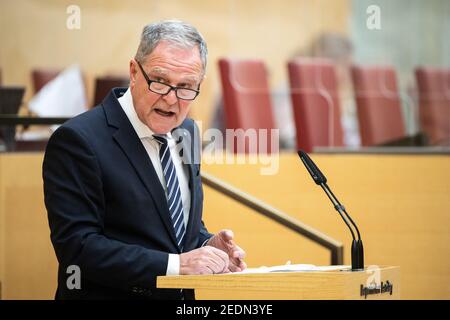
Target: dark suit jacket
107 210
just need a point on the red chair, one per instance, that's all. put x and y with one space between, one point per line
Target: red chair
434 108
247 103
40 77
378 105
103 86
315 103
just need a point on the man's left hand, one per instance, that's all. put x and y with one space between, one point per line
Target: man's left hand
224 241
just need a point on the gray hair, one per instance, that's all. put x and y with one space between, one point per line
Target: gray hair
173 31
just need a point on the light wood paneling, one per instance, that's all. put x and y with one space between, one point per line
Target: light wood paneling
329 285
399 202
29 263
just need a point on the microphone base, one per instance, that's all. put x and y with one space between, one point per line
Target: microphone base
357 255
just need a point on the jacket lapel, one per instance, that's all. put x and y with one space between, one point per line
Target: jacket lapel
187 146
131 145
193 202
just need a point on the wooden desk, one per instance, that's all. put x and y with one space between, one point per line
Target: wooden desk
327 285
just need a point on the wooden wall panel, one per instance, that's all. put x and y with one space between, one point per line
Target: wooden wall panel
399 202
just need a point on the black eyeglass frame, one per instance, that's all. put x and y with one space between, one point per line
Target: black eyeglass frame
170 88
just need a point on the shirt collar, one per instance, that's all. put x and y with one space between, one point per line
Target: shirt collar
142 130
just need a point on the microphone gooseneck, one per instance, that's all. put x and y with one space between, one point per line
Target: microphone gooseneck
339 208
319 178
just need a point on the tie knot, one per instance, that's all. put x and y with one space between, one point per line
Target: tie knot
161 139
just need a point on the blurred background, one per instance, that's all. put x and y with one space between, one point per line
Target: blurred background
36 35
368 76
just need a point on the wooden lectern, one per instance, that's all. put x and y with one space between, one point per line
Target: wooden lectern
372 283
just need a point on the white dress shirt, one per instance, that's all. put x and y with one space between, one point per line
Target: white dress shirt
152 145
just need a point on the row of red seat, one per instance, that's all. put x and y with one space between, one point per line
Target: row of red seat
315 101
316 105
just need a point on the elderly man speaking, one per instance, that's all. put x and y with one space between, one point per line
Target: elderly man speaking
124 204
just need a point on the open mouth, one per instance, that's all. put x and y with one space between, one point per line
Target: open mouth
164 113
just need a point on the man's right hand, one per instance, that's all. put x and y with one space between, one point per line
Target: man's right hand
204 260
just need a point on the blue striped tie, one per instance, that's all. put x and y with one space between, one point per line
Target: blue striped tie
174 200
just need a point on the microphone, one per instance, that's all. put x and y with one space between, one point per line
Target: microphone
320 179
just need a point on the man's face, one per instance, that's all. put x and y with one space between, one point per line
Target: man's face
176 66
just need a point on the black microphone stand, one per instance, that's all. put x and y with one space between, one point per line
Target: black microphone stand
357 245
320 179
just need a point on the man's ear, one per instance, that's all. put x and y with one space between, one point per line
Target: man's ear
133 72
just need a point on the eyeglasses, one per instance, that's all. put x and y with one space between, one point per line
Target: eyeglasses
164 88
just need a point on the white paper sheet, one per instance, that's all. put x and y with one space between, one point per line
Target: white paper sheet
294 268
64 96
